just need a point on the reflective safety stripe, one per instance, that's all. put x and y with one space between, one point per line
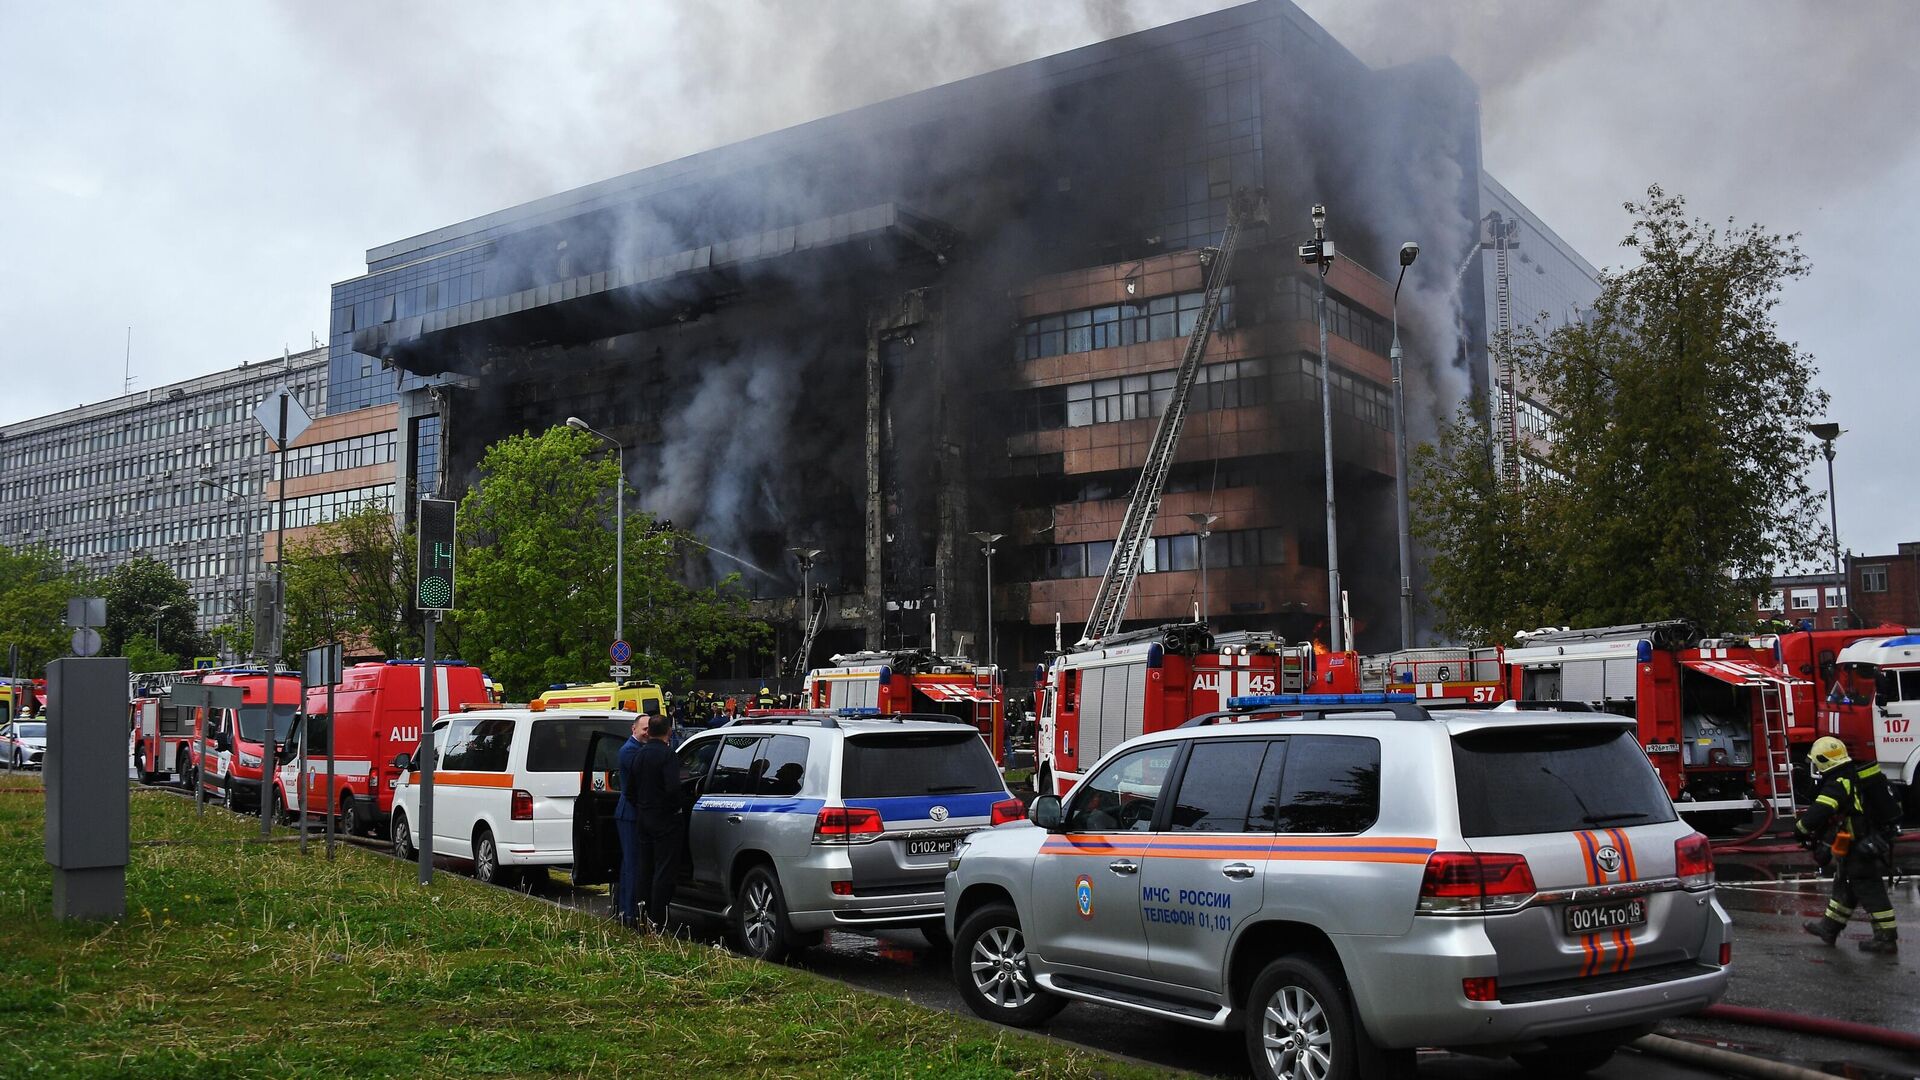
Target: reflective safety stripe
1838 912
1871 770
1265 847
1828 800
1883 920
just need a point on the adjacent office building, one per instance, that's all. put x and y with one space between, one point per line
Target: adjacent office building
178 473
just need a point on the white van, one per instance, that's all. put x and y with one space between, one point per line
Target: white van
503 788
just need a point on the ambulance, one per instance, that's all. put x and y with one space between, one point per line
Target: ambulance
628 695
1877 688
375 718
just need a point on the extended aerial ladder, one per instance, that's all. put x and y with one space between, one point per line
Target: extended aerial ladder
1136 528
819 604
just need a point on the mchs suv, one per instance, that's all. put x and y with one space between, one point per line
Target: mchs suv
1348 882
807 822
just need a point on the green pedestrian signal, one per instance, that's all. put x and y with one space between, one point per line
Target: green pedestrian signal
434 588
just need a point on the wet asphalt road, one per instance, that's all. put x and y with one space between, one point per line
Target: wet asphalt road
1775 966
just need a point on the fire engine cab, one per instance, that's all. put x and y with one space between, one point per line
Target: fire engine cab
1714 715
906 681
1877 688
1090 700
235 742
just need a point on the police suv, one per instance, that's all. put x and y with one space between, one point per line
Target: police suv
805 822
1348 877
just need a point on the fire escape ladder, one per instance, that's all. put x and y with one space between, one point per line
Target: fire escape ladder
813 629
1775 720
1136 528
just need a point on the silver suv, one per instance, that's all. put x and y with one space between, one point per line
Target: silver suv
1346 882
803 823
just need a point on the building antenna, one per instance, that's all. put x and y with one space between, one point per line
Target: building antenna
126 372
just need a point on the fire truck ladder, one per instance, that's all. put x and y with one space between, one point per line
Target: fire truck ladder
1136 528
813 630
1775 721
1507 420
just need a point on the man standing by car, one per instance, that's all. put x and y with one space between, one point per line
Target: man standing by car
649 818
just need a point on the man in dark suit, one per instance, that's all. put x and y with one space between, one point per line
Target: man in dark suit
648 818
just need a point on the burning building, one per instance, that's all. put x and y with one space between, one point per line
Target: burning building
958 311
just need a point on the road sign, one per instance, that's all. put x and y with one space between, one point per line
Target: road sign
621 652
268 415
620 671
87 611
321 666
434 589
203 663
194 695
86 641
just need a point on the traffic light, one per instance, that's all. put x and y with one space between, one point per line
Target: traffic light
434 588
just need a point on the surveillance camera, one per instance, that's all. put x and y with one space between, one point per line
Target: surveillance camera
1409 251
1309 253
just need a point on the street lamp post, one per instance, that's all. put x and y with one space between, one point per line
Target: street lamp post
986 549
1203 528
619 527
1408 252
805 555
1827 433
1321 253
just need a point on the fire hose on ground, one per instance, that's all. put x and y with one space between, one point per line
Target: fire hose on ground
1847 1030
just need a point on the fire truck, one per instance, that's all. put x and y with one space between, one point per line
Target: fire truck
914 681
160 730
1820 707
235 742
1437 676
1714 715
1090 700
1877 689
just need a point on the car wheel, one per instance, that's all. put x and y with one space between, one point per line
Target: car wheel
486 861
760 927
1300 1025
282 813
990 967
403 839
353 820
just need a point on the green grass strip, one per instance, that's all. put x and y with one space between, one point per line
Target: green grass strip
244 960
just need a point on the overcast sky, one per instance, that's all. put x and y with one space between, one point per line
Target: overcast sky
203 172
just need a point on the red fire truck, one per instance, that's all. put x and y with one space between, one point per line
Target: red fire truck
1827 702
376 717
915 681
236 742
1714 715
1089 701
160 731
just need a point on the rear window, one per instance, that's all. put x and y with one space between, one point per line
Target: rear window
560 744
917 763
1543 779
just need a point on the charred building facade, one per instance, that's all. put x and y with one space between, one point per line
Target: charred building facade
958 311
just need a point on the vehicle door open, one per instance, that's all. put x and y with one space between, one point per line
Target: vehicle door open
596 840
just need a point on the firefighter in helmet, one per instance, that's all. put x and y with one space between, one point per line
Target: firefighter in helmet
1853 822
766 696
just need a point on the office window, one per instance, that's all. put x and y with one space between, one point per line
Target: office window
1873 578
1805 599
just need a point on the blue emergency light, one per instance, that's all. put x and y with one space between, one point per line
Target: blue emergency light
856 710
1267 701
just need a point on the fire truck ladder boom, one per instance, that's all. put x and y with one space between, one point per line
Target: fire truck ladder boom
813 630
1136 528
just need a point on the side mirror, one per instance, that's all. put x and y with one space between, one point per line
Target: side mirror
403 762
1045 812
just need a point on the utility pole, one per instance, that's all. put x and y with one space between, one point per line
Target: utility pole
1408 252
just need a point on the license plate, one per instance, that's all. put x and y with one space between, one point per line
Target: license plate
933 847
1595 918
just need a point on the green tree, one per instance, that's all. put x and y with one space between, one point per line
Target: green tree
143 655
535 582
35 586
1675 481
351 580
141 593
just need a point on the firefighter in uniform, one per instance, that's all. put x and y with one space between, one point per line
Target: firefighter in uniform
766 696
1858 807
